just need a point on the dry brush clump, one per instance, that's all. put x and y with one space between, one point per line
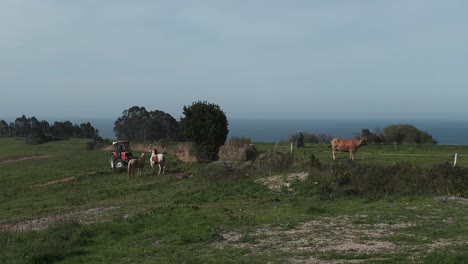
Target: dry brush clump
269 162
237 150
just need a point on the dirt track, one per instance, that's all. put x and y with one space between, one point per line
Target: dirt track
82 216
21 158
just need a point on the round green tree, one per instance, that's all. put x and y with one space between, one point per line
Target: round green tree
207 126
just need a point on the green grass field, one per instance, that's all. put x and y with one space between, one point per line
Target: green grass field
68 206
424 155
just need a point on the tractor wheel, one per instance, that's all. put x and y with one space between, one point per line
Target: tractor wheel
119 164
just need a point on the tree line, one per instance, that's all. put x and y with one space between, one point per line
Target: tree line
398 133
39 131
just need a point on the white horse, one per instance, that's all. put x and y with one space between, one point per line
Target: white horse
157 158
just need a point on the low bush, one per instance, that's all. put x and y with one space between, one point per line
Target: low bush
273 162
373 181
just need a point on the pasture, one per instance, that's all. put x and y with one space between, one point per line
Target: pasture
61 203
425 155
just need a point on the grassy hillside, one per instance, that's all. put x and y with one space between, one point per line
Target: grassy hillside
64 204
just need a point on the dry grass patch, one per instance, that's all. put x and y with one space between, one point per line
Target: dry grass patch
280 182
328 235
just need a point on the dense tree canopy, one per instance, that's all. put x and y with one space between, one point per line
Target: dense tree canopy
207 126
399 133
138 124
407 133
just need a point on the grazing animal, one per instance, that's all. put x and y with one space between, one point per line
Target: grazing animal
134 164
157 158
346 145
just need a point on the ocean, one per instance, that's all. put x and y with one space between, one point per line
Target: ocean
446 132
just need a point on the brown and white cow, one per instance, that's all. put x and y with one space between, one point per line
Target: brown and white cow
347 145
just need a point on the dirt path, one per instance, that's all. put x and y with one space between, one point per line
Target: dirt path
21 158
82 216
54 182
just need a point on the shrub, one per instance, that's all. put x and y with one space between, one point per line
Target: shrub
207 126
271 162
237 150
315 162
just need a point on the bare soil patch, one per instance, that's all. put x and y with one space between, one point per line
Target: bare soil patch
327 235
82 216
452 199
21 158
280 182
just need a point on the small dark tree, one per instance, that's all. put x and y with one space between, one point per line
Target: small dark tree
207 126
22 126
11 129
371 137
4 131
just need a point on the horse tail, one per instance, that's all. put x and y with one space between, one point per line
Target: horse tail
129 168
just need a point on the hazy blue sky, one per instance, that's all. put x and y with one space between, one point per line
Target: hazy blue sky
253 58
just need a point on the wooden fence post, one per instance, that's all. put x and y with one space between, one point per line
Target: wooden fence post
291 147
455 160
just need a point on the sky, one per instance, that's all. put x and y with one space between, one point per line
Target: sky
268 59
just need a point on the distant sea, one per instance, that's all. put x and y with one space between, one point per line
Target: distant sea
446 132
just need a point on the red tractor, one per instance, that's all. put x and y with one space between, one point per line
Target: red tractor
121 154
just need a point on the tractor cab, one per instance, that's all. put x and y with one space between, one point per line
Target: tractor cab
121 154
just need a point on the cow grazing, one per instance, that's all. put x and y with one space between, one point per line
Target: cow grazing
347 145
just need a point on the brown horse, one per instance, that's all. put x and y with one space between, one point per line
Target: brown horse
157 158
136 164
